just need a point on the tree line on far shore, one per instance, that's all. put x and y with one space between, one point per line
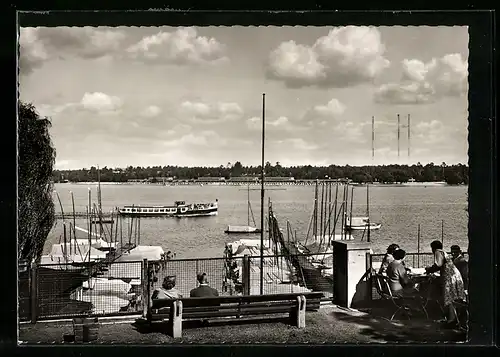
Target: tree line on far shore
451 174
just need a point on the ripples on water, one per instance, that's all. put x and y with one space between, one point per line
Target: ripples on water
399 209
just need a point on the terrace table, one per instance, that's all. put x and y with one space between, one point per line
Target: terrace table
426 284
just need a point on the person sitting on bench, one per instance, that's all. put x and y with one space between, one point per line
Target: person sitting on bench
167 290
203 290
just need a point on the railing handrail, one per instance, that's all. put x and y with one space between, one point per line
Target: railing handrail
421 253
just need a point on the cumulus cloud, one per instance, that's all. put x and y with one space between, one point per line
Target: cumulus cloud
211 113
423 83
301 144
323 114
201 139
41 44
255 123
346 56
95 102
100 102
151 111
333 107
182 46
431 132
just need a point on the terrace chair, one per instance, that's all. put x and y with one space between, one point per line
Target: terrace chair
401 304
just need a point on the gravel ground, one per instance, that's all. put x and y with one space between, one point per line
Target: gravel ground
329 325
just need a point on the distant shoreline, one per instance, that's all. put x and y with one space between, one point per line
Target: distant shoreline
295 183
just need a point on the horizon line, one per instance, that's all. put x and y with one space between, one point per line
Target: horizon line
248 166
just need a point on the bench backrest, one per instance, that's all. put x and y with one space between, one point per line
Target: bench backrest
244 299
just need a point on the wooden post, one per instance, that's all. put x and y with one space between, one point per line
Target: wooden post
369 275
145 289
245 272
418 247
442 232
298 314
175 320
34 292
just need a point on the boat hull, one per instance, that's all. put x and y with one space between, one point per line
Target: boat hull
198 213
181 210
242 231
147 214
372 227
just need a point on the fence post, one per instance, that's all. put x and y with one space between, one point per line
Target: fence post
369 275
145 288
34 292
333 278
245 272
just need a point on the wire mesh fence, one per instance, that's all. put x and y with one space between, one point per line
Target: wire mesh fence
241 275
66 290
24 289
185 271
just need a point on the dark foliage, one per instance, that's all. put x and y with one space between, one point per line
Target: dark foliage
455 174
35 168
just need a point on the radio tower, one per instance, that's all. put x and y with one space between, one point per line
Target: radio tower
373 138
399 132
408 137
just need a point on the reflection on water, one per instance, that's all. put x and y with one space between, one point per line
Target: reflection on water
399 209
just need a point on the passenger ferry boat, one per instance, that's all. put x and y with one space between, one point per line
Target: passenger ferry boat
179 209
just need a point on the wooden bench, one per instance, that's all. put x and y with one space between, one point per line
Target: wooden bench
178 310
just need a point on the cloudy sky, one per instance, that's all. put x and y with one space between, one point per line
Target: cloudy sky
193 96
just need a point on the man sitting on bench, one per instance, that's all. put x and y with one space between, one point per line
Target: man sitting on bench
203 290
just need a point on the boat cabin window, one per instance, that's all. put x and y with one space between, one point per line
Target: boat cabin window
156 209
134 210
162 210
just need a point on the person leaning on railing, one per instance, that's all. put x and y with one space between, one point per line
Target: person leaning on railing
451 285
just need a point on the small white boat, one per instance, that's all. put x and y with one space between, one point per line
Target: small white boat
241 229
361 223
248 228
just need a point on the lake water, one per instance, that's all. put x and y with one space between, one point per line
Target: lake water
399 209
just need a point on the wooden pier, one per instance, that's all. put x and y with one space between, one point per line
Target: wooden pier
84 215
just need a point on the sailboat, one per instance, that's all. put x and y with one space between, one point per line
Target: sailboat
362 223
248 228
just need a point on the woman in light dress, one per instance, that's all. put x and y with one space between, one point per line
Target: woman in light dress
451 285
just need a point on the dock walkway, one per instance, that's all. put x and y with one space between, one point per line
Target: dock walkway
312 276
59 215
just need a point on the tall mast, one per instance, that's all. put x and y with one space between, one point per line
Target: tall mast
248 204
99 202
262 198
368 210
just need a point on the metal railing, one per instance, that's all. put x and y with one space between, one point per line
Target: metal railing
54 291
241 275
51 291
